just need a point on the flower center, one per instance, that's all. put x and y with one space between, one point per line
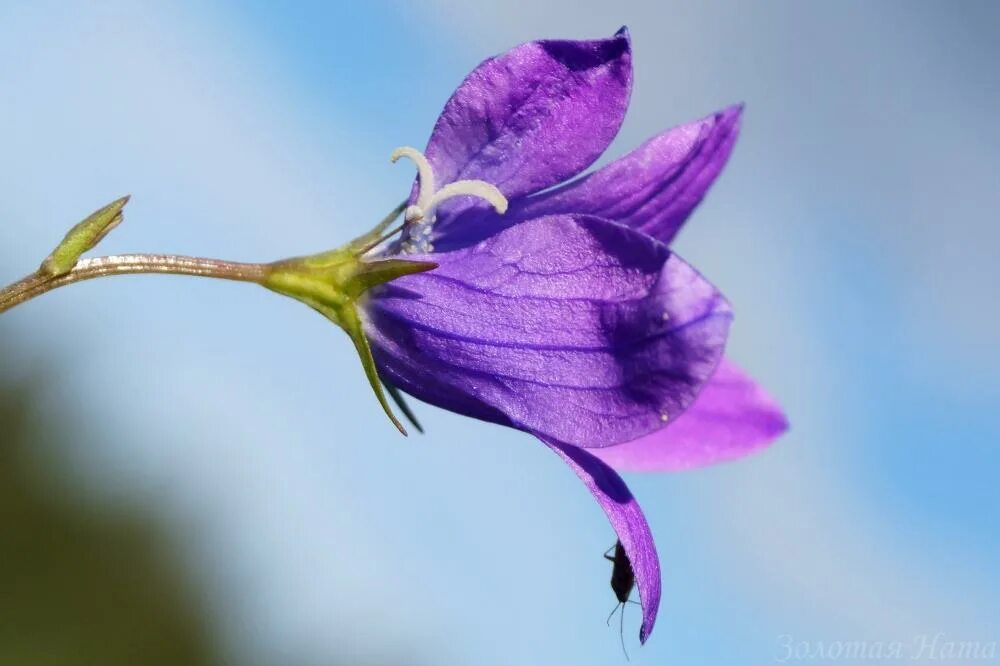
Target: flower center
419 217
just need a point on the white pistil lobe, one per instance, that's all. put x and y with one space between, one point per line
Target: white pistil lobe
419 217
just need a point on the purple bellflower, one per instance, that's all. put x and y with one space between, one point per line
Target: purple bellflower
554 307
522 295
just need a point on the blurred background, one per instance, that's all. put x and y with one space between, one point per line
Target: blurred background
195 472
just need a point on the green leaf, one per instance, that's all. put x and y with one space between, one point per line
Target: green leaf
83 237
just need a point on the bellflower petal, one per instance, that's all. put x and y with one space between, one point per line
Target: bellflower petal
656 186
628 522
569 327
732 417
533 116
653 189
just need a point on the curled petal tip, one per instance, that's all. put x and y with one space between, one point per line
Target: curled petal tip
628 522
781 425
734 111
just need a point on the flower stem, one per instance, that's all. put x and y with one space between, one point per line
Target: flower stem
40 282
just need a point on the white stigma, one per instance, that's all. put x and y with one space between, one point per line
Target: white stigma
419 217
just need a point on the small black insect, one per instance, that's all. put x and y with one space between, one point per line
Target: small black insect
622 582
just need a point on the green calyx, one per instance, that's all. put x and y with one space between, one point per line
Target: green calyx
335 283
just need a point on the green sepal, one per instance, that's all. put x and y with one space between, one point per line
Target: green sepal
373 273
362 243
397 397
365 241
83 237
349 320
334 284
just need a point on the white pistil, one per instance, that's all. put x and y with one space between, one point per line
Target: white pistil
425 172
470 188
419 217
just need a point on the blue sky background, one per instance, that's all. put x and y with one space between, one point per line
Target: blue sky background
854 230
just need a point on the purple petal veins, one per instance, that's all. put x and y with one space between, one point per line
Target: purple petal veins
569 327
656 186
533 116
654 189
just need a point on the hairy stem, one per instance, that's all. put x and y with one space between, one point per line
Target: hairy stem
39 283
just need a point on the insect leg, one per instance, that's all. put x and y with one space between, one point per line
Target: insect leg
621 632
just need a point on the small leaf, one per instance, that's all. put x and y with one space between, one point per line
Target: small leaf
84 236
